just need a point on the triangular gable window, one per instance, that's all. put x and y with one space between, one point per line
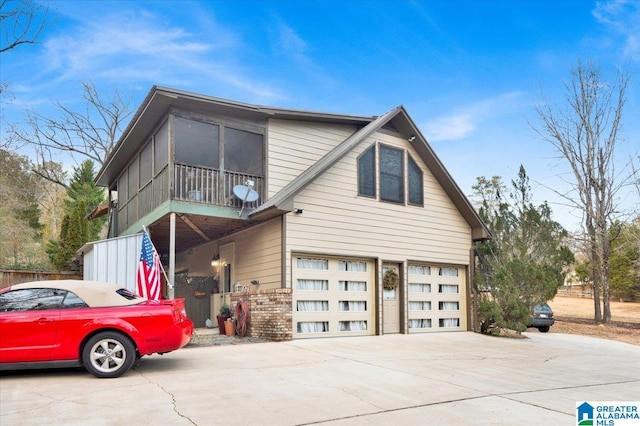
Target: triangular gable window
390 171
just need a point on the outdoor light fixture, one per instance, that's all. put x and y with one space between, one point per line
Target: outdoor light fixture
255 282
298 211
214 260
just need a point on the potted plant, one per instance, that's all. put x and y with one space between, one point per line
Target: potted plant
224 315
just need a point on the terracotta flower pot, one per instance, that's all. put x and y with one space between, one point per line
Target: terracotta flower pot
229 328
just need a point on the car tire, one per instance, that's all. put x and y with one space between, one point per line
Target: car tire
543 329
108 354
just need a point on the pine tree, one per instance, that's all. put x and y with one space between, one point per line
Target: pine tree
83 189
525 262
83 196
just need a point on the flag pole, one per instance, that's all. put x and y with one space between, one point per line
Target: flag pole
144 228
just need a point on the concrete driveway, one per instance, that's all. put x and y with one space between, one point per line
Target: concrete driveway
445 378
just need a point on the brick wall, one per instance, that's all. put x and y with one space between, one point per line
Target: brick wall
270 313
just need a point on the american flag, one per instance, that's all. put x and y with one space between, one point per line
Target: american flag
149 284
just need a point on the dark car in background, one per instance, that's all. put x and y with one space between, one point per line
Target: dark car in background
102 327
541 317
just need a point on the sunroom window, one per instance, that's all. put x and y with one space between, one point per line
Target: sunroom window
243 152
197 143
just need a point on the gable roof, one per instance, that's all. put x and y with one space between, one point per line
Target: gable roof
160 99
398 117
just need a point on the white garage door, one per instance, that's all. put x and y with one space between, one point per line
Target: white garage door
332 297
436 298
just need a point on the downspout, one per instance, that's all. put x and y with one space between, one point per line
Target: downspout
472 294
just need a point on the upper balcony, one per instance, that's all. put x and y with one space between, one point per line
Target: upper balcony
205 185
190 166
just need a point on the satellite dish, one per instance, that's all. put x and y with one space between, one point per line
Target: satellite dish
245 193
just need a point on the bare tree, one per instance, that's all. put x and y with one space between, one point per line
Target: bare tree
585 133
90 134
21 22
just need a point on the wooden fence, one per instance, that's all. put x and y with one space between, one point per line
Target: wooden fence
9 277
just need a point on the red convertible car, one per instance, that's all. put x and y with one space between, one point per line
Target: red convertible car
100 326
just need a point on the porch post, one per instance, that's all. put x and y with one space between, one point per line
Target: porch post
172 253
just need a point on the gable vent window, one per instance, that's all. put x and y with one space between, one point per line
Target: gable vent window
394 177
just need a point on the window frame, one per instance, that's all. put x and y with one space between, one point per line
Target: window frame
411 162
402 196
369 151
408 186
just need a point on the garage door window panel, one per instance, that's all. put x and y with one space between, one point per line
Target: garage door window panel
352 305
447 288
419 288
353 325
449 306
312 327
419 270
420 323
312 285
352 266
449 322
308 263
352 285
420 306
448 272
312 305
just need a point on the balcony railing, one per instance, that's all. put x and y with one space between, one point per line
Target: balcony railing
206 185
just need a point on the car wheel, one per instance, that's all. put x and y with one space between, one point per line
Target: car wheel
543 329
108 354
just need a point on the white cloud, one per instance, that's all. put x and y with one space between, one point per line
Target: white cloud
290 42
130 49
465 120
623 17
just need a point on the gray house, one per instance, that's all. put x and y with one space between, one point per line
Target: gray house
326 224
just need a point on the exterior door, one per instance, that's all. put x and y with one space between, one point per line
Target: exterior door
390 299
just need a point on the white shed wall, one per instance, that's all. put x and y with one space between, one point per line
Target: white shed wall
114 260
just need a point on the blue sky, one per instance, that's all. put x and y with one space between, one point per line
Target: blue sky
468 72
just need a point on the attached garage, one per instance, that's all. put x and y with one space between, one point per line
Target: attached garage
436 299
332 297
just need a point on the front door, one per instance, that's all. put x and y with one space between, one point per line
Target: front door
390 298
